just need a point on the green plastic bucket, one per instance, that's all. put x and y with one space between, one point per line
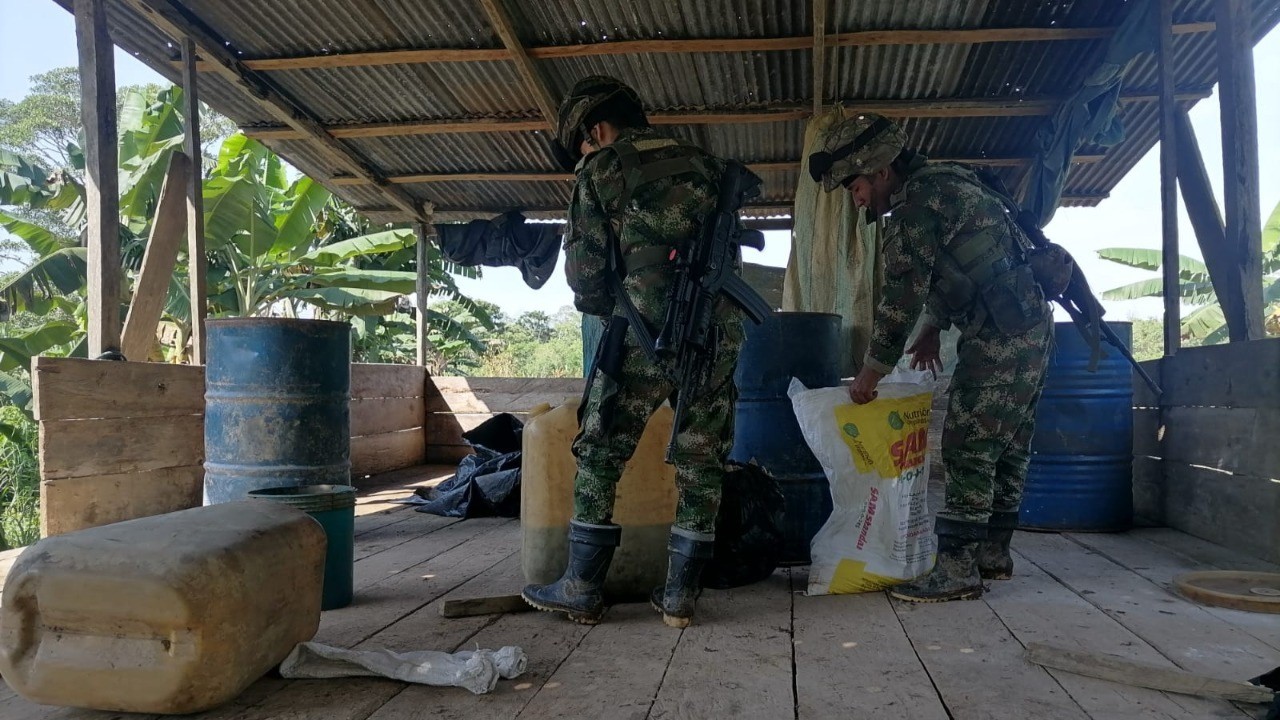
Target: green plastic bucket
334 507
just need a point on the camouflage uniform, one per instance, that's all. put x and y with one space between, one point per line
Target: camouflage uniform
626 390
1000 374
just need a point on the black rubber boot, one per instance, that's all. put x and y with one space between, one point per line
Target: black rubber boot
580 591
994 560
955 574
688 553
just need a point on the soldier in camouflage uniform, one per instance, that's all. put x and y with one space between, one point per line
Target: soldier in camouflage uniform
952 253
638 194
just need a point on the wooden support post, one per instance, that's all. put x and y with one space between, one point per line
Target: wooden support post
423 289
819 53
152 288
1206 219
1169 183
197 263
101 157
1239 108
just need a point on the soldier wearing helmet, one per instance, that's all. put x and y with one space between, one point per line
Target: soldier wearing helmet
953 255
638 195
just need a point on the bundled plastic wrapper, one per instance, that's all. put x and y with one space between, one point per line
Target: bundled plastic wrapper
876 458
477 671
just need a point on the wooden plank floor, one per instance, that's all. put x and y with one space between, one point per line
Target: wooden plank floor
768 651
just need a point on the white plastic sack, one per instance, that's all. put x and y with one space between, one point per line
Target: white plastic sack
477 671
876 458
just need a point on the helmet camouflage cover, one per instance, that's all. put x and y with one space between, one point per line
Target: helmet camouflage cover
587 94
861 145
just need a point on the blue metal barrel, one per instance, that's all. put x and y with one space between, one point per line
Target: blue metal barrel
1082 451
277 396
789 344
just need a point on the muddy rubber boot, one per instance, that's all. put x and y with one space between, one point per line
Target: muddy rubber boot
688 553
994 560
580 591
955 574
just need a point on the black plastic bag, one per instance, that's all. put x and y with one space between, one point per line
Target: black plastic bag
487 483
748 530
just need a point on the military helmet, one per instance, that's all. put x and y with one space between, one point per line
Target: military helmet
587 94
861 145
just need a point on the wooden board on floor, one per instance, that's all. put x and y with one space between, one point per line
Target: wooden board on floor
1160 565
379 567
359 699
852 659
1036 608
388 537
976 664
71 388
615 671
1190 636
1203 551
499 574
546 640
420 579
748 629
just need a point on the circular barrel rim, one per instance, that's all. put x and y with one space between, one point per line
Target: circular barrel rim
261 321
309 498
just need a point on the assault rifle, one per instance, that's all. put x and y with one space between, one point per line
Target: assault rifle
704 271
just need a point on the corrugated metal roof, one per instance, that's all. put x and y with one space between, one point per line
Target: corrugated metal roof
668 82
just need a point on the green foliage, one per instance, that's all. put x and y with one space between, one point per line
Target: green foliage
1205 324
536 345
19 480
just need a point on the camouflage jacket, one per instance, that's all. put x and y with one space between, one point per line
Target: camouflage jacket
927 214
659 215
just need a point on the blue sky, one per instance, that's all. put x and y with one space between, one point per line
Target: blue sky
43 37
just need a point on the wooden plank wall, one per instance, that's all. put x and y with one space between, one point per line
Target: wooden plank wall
388 407
117 440
457 404
1206 456
125 440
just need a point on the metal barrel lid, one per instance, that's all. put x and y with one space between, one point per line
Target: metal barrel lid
1235 589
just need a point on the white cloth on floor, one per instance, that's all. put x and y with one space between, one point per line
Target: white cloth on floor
476 670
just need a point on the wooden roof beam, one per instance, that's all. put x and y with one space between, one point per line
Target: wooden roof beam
694 45
541 176
938 108
502 25
174 20
819 53
449 214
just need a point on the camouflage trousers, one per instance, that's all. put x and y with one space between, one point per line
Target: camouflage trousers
623 394
986 440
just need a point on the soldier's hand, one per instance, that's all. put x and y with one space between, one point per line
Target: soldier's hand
926 351
863 389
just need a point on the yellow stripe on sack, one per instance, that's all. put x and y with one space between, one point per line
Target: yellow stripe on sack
852 577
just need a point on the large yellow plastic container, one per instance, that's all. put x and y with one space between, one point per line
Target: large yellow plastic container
645 507
172 614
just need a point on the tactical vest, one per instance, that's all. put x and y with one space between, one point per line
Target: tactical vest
985 275
641 164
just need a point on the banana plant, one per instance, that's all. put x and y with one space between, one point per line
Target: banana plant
1205 324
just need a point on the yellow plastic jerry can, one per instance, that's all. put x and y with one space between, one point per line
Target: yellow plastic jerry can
645 502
